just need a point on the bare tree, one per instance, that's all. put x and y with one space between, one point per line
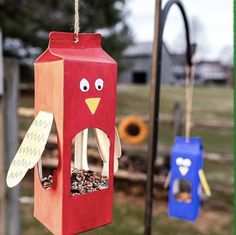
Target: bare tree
198 36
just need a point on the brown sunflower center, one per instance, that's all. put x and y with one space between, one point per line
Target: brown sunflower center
133 129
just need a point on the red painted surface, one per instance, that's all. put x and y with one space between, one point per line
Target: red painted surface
58 72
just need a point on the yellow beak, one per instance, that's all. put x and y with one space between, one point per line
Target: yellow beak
92 104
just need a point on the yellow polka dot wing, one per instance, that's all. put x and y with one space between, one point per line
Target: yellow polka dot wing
31 148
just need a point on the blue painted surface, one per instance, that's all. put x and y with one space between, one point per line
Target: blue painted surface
183 152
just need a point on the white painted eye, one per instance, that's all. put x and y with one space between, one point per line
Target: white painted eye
187 162
84 85
99 84
179 161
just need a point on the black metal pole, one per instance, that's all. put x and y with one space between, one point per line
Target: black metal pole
153 122
160 20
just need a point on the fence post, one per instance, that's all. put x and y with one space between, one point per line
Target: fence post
1 64
2 175
11 78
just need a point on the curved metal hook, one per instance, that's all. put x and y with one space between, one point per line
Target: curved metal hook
154 104
164 14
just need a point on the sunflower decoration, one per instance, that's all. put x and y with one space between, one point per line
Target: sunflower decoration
133 130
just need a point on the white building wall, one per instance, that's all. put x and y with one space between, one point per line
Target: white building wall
144 64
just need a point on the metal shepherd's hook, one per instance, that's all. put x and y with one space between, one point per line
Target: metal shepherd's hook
160 20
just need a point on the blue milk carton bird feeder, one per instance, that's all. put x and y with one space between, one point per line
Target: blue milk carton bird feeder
186 176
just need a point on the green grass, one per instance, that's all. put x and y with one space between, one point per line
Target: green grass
216 217
208 102
213 103
128 219
213 141
219 174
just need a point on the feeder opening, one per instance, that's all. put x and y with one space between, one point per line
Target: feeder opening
90 162
182 190
49 160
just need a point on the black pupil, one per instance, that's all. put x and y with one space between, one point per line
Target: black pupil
85 88
99 87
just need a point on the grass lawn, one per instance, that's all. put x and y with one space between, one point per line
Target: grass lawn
128 219
217 215
208 102
213 103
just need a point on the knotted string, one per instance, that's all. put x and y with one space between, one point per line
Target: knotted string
77 21
189 84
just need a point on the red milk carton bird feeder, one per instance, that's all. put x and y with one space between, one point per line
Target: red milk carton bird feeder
75 85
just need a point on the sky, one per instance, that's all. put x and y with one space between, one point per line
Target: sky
215 16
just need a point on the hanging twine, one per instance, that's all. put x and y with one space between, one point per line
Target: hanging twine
189 83
77 21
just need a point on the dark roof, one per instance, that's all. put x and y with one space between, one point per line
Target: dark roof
211 62
141 49
138 49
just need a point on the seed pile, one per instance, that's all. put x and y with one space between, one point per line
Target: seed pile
87 181
47 182
82 181
183 197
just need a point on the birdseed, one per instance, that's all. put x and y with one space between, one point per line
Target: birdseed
82 181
